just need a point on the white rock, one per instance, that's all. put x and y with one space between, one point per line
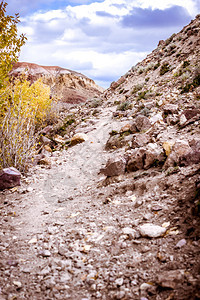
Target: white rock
181 243
129 231
151 230
182 120
119 281
79 138
18 284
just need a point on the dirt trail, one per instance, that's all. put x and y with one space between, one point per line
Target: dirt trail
66 236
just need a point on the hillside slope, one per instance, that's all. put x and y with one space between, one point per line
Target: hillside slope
67 85
115 215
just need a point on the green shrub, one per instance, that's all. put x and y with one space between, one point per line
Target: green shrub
95 103
137 88
142 95
195 83
124 106
164 68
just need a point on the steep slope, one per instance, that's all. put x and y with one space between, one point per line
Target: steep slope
67 85
165 75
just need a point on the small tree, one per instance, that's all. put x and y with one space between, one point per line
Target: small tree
26 110
23 107
10 42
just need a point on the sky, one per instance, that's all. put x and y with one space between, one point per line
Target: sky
102 39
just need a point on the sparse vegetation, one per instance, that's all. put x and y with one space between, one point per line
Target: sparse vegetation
157 65
136 88
96 102
142 95
192 85
124 106
164 68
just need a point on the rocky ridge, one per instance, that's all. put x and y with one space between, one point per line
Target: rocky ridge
115 214
66 85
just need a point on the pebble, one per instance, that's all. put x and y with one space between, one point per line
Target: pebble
45 253
119 281
181 243
151 230
129 231
18 284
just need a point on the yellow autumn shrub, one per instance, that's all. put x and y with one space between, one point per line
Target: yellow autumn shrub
24 109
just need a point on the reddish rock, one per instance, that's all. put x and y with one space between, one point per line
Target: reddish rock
142 123
190 113
9 178
193 157
115 166
140 140
116 141
136 160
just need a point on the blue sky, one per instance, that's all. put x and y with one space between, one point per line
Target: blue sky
102 39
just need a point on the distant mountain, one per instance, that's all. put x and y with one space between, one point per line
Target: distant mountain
67 85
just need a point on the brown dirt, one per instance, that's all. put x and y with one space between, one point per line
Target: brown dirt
62 230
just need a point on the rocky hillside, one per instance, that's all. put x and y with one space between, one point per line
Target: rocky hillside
111 208
67 85
170 74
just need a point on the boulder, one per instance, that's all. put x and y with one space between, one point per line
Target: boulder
156 118
144 158
79 138
190 113
142 123
125 128
9 178
115 166
133 128
117 141
180 149
154 155
44 140
136 160
140 140
59 139
193 157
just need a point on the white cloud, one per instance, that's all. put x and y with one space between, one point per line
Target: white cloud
91 38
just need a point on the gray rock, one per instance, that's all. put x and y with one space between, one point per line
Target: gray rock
45 253
153 156
9 178
151 230
44 140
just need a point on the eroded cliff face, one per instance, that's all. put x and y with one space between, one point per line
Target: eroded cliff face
66 85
